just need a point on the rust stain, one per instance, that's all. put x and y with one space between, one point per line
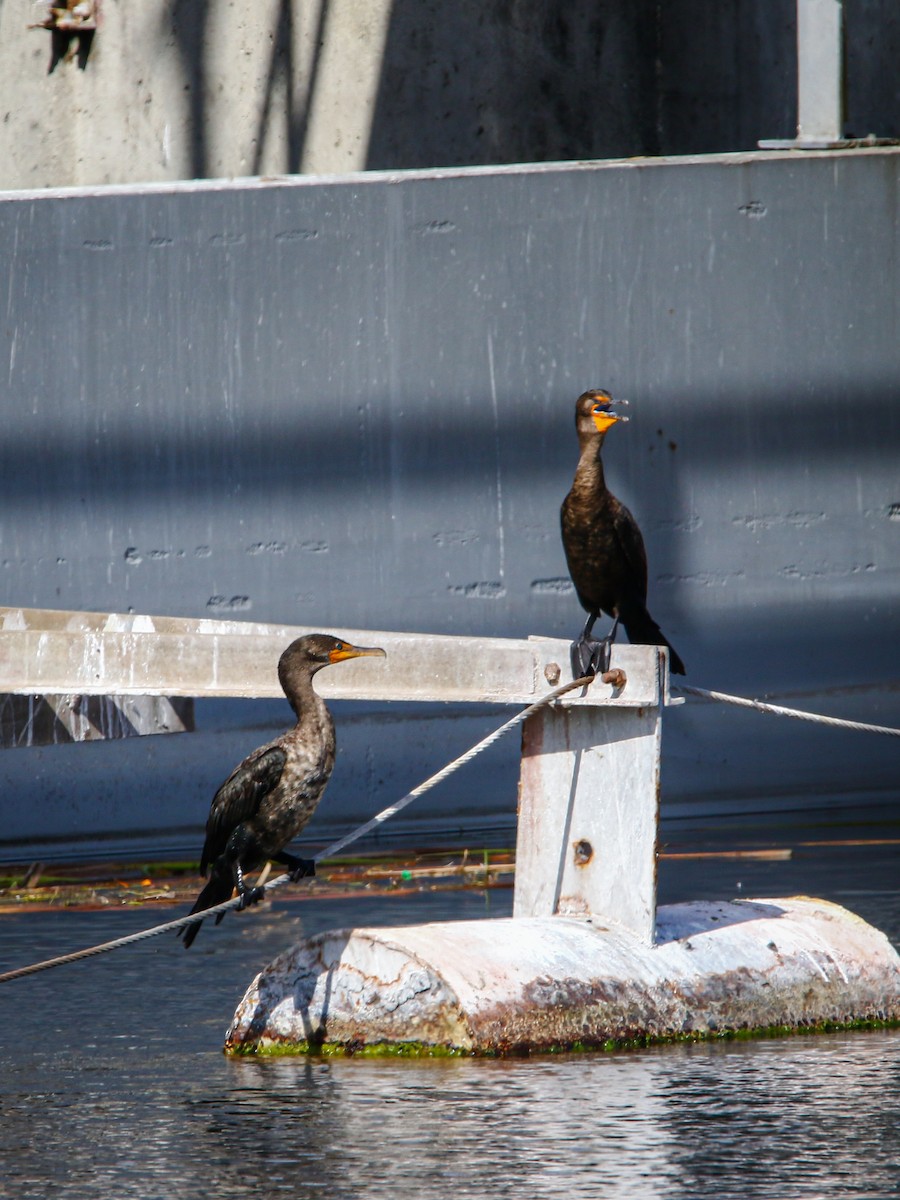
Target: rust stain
559 1013
540 984
582 852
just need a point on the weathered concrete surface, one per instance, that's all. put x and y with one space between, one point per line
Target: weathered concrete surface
175 89
170 90
534 984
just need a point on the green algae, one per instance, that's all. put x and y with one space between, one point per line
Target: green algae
338 1050
392 1050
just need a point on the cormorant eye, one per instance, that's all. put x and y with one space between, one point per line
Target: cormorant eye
339 645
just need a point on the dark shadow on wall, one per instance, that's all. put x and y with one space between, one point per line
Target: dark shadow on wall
506 81
475 83
482 82
872 86
285 71
187 21
727 74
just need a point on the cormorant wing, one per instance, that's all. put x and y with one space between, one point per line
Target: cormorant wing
628 535
239 798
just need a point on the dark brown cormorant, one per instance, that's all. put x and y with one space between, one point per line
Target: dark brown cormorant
270 796
604 547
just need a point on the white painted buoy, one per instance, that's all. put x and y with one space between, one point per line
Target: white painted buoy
586 958
538 983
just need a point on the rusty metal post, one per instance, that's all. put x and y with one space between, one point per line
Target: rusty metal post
588 814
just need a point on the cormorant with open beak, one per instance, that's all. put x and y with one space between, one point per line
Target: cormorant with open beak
604 548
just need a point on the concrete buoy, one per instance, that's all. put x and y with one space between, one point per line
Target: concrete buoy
542 983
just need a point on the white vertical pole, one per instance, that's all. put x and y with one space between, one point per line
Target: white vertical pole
820 71
588 815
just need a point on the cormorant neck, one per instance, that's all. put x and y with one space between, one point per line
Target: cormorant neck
589 472
303 698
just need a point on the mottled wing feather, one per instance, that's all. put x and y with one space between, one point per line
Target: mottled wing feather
239 798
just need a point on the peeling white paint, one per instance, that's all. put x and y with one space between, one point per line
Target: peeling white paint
536 983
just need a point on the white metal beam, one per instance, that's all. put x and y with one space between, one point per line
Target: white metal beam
589 782
820 80
45 652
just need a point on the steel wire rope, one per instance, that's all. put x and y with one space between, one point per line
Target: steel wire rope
779 710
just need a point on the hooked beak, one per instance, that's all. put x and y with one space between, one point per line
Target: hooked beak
603 414
348 651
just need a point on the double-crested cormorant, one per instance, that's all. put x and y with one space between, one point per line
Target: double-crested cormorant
604 547
270 796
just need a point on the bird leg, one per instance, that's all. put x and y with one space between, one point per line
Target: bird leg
298 868
583 648
587 652
248 895
590 656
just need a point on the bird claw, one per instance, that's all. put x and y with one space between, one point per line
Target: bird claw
250 896
301 868
590 657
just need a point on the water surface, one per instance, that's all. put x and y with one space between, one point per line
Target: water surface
113 1084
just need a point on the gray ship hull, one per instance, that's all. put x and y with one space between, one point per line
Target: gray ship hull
347 402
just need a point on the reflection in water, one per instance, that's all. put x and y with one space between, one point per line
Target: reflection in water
802 1118
460 1127
752 1119
113 1085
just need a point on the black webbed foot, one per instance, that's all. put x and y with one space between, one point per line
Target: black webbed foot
590 657
306 870
298 868
249 897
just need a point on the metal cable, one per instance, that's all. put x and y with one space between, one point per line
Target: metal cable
779 711
328 852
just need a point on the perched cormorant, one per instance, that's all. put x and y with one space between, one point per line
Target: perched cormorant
604 547
270 796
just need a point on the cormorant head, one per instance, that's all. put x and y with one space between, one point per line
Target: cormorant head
594 413
310 653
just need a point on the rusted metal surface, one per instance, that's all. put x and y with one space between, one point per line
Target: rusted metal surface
538 983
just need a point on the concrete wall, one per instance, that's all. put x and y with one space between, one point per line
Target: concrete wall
182 89
349 402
